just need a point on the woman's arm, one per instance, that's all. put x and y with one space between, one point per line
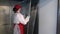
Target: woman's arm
23 20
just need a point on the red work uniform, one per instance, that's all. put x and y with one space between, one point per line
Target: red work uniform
19 22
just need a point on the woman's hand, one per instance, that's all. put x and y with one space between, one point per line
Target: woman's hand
28 17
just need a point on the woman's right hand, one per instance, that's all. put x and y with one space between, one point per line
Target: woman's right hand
28 17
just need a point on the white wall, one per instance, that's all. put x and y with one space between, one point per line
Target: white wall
47 16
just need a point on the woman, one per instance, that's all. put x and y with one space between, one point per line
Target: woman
19 20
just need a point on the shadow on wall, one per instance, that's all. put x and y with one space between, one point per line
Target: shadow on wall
44 2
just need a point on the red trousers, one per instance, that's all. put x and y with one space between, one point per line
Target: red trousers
21 26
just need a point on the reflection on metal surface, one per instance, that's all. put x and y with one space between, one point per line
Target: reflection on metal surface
6 13
4 18
32 20
3 12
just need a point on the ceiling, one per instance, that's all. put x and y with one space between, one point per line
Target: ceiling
33 2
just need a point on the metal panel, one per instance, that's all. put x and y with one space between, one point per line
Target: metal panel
4 18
